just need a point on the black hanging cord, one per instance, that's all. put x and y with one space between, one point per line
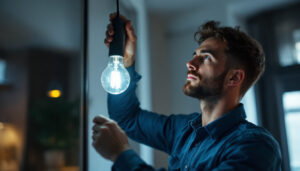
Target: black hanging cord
118 14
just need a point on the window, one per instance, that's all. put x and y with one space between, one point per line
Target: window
2 70
289 45
40 86
291 106
288 40
296 35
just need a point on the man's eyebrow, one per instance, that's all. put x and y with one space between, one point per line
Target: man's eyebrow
208 51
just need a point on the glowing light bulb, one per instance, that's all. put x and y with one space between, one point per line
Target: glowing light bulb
115 78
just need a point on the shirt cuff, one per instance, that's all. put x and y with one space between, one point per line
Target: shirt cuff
128 160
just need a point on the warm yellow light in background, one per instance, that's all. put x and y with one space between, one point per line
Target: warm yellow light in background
1 125
8 135
54 93
10 147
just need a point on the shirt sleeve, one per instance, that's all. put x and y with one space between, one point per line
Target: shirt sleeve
130 161
146 127
251 153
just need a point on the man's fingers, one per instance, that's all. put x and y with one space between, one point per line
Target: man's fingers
106 43
95 136
114 15
96 128
130 31
128 27
103 123
99 128
107 34
110 27
101 119
110 32
108 38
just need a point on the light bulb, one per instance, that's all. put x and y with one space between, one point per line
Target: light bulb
115 78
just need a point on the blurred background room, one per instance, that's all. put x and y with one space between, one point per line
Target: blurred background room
52 54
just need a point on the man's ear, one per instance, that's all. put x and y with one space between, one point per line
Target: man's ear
235 77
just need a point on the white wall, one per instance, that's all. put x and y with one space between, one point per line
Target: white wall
99 11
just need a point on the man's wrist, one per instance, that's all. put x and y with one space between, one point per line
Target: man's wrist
129 61
114 157
128 160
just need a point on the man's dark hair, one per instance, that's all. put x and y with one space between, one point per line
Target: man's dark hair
242 51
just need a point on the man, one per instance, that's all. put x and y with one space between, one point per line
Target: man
226 64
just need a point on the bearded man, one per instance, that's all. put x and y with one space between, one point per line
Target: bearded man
224 66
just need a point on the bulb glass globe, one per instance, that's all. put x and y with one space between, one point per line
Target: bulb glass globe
115 78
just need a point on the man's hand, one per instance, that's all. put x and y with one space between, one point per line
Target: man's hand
109 140
130 40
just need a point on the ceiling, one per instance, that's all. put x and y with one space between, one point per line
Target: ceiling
166 6
170 7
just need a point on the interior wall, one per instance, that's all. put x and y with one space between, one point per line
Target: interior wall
160 76
98 13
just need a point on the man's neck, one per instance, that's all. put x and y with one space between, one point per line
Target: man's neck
212 110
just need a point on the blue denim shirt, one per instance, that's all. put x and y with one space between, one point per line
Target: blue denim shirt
228 143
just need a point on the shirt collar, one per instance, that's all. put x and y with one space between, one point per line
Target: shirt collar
218 127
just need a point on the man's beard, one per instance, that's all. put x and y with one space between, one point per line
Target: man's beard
207 88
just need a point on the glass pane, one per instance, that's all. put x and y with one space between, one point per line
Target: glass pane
2 70
291 105
39 99
288 36
296 36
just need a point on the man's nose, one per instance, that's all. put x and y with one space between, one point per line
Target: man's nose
192 66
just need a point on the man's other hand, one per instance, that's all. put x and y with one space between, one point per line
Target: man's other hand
109 140
130 39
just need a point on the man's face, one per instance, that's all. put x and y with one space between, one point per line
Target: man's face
207 70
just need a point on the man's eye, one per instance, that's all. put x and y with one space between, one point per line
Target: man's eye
206 57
